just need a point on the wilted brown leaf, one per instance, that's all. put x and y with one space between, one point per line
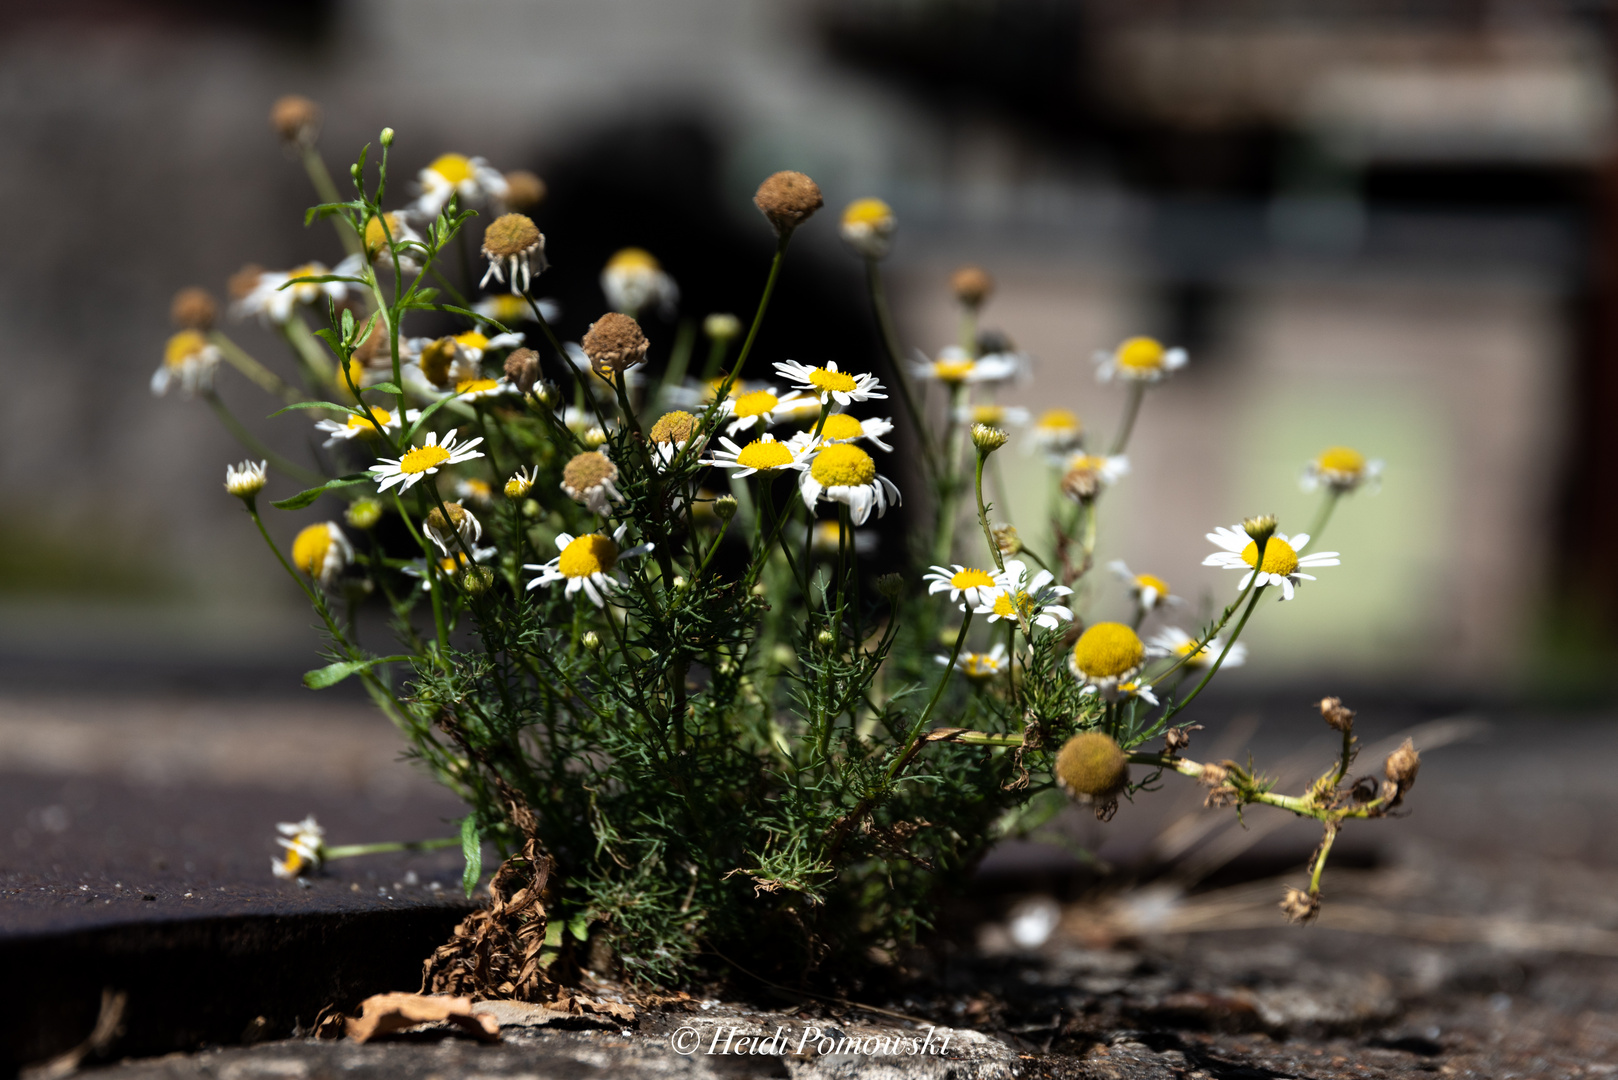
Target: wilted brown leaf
384 1014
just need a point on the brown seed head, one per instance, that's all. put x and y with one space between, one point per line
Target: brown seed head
1092 768
1081 483
435 517
613 343
587 470
193 309
244 281
511 234
296 119
1007 540
1299 906
971 285
1336 714
522 368
1177 739
524 190
1402 766
674 427
788 199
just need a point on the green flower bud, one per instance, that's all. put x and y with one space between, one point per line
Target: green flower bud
988 439
591 641
725 507
363 513
387 136
722 327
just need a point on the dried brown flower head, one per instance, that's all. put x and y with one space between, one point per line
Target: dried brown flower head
971 285
674 427
295 119
511 235
524 190
1092 768
1401 769
244 281
588 479
435 516
193 308
1177 739
1335 713
614 343
522 368
1007 540
1299 906
788 199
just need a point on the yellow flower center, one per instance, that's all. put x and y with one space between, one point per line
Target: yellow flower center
477 489
842 426
456 168
632 260
1188 648
841 465
764 455
1007 608
971 578
473 386
952 371
1107 650
993 415
1341 459
673 427
472 340
182 347
1058 420
452 563
310 547
1151 581
586 555
376 235
1279 558
757 403
423 458
867 212
364 426
979 666
832 381
588 470
1140 354
436 359
507 308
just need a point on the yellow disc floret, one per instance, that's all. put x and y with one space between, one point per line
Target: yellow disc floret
971 578
587 555
952 371
367 426
674 427
756 403
867 212
310 547
764 455
471 339
1059 420
182 347
841 426
841 465
423 458
1108 650
832 382
1279 558
1140 354
1151 581
1341 460
456 168
632 259
1091 766
378 233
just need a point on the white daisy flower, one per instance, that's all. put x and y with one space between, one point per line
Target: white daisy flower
449 565
867 227
828 534
1106 658
829 384
354 426
1342 469
757 408
1149 590
407 243
482 387
456 174
1283 563
247 479
844 473
843 428
1034 598
465 525
1057 432
588 563
765 454
509 310
322 551
272 303
977 586
1141 359
305 843
1133 688
189 361
513 245
472 345
632 279
423 460
471 489
991 415
1173 641
981 667
588 479
954 367
1085 476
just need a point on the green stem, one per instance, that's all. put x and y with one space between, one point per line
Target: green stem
252 443
1234 634
983 518
890 341
1318 526
256 372
321 179
938 692
758 316
1137 392
348 851
1320 858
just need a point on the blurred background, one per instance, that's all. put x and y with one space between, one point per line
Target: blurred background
1387 224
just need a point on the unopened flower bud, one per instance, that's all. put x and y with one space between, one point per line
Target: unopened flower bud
1299 906
1402 766
988 439
1007 540
825 638
591 641
725 506
1092 768
679 581
971 285
722 327
193 309
475 580
296 119
614 343
594 437
788 199
522 368
1336 714
531 509
890 586
1259 529
246 480
519 485
387 137
363 514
